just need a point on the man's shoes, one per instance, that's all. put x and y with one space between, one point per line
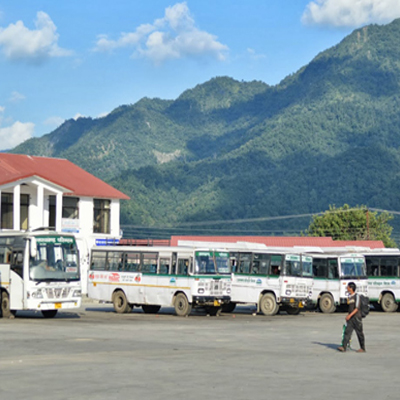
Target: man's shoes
341 348
360 351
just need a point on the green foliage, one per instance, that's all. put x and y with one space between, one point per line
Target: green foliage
357 223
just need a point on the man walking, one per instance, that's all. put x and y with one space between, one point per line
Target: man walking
354 320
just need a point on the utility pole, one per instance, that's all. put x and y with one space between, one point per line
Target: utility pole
367 224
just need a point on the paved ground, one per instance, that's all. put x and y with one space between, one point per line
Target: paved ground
97 354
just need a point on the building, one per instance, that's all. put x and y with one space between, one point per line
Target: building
40 192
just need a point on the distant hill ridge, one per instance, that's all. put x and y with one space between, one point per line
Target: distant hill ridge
327 134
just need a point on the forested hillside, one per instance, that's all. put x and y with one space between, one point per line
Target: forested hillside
328 134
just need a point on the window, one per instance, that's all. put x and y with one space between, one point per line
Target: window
149 263
372 266
164 266
101 216
389 266
24 212
52 212
99 261
333 271
70 208
7 211
183 266
244 263
320 268
115 260
17 262
132 261
261 263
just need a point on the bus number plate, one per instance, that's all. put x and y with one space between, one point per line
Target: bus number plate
57 305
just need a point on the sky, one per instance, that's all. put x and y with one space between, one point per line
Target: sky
71 58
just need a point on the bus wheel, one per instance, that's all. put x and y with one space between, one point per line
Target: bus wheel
268 304
388 304
49 313
293 310
228 308
182 305
5 305
121 305
326 304
150 309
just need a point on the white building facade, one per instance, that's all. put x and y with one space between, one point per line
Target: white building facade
79 203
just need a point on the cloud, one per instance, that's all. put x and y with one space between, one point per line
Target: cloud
2 109
16 97
350 13
254 55
54 121
18 43
172 37
15 134
77 116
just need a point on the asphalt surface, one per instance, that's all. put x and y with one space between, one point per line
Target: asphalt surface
94 353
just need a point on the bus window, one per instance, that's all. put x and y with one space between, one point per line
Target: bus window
372 266
132 262
183 266
164 266
174 258
98 260
115 260
17 263
261 264
244 263
149 265
320 268
389 266
333 272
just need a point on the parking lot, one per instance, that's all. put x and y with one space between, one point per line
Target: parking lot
94 353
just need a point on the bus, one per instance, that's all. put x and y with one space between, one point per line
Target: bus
332 272
273 280
383 273
39 271
154 277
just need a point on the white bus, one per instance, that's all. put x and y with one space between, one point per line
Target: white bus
273 280
383 273
39 271
332 272
153 277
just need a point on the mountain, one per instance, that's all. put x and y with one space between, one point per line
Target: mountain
225 150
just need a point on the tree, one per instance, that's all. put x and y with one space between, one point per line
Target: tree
353 223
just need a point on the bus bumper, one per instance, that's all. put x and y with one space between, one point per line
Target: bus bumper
215 301
293 302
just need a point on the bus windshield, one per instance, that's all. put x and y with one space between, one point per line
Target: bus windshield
352 267
292 265
222 261
204 263
56 259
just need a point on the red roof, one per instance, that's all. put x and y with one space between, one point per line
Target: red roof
282 241
14 167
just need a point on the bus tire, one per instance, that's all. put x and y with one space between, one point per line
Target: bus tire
182 305
49 313
268 304
388 303
228 308
327 304
120 302
5 305
293 310
150 309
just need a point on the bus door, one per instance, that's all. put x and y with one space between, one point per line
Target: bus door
326 277
149 277
241 279
165 273
17 280
274 279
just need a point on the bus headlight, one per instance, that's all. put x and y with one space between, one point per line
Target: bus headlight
77 293
36 294
288 292
200 290
228 290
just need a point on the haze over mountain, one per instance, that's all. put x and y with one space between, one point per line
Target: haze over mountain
224 150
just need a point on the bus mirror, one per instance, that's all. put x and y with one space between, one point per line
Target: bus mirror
33 247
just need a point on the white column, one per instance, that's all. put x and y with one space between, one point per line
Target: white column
40 207
58 211
17 208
